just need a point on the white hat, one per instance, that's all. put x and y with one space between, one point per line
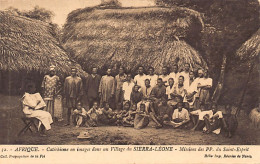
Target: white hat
84 135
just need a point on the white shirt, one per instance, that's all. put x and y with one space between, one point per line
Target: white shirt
140 80
175 77
193 86
205 81
169 90
183 114
153 80
127 89
165 79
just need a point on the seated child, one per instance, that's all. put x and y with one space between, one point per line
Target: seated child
213 120
122 113
197 117
141 118
79 115
174 101
136 95
180 117
149 109
128 119
165 112
230 122
106 115
92 115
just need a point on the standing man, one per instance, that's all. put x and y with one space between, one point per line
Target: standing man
204 86
107 89
175 74
140 77
92 85
119 80
50 87
127 87
185 74
191 90
152 77
73 91
165 76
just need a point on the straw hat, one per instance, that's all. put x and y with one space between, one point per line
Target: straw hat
84 135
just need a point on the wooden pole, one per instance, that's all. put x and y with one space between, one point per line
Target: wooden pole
251 66
219 87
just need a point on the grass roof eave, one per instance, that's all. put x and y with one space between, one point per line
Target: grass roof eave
251 48
28 45
133 36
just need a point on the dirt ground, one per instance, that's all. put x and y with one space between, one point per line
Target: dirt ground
11 124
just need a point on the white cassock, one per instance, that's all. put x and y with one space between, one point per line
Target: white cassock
31 108
190 89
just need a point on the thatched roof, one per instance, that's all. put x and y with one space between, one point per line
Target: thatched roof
151 36
251 48
29 45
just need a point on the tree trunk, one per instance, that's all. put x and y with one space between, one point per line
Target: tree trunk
219 87
251 66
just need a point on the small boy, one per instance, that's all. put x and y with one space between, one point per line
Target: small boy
79 115
106 115
180 117
213 120
128 120
121 114
136 95
141 118
93 115
230 122
198 117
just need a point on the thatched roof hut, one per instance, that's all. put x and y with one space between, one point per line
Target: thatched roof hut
153 36
251 48
29 45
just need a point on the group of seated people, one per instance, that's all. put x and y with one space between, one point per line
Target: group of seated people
165 106
178 100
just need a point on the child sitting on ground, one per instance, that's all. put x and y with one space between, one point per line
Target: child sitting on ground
136 95
180 117
79 115
92 115
213 120
121 114
106 116
128 119
141 118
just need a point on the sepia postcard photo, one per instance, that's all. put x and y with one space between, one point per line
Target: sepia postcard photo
129 72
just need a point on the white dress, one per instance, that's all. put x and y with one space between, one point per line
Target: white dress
32 108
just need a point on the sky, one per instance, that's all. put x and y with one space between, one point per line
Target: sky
62 8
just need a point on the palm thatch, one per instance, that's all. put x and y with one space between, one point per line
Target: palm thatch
151 36
29 45
251 48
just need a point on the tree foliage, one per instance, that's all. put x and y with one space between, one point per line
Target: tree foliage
37 12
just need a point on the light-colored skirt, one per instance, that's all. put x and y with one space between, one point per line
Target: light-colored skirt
58 108
44 117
